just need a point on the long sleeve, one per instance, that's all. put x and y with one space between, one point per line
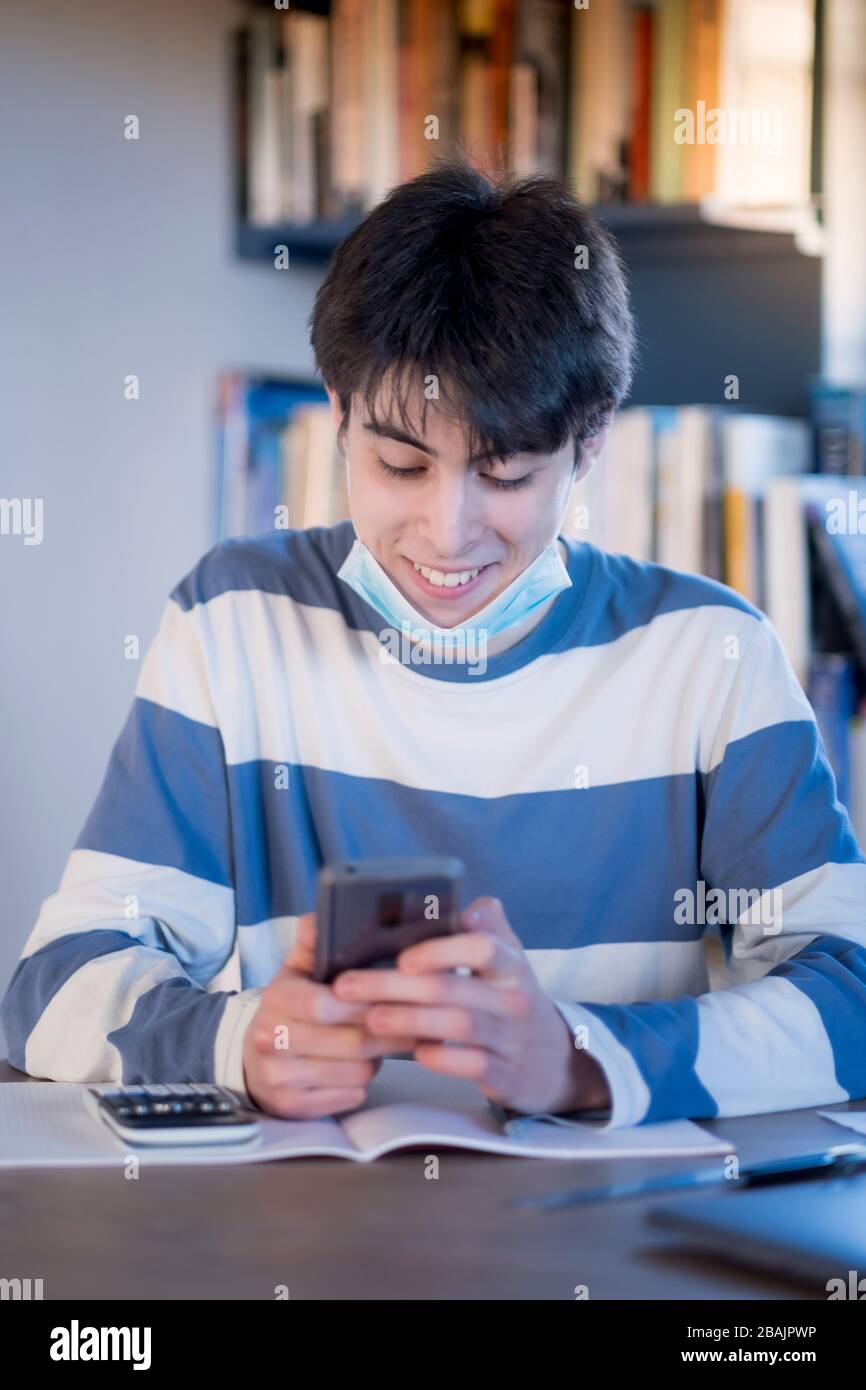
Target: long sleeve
118 980
782 874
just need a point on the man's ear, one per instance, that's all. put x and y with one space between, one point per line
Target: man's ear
335 405
589 452
337 417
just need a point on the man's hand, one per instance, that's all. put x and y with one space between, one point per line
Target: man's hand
496 1027
307 1053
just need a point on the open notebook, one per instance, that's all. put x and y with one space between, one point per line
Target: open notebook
54 1125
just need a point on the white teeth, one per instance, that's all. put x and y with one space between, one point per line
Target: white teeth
447 581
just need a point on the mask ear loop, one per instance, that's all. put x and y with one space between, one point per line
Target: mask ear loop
344 450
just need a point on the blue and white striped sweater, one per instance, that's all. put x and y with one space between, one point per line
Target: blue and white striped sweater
647 737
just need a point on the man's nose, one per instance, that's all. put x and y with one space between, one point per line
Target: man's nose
452 519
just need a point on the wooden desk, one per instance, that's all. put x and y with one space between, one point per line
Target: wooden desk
327 1228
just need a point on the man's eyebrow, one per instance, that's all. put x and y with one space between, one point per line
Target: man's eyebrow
386 431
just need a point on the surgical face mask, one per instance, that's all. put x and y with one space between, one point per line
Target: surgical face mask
540 581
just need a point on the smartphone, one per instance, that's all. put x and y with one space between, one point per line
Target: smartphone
369 910
179 1113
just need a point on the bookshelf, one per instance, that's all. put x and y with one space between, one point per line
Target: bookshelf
649 230
718 287
710 298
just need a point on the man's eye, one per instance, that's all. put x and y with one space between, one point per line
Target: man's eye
505 483
398 472
508 483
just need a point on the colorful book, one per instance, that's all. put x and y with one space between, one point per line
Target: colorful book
700 101
755 448
763 125
704 37
640 109
253 413
670 94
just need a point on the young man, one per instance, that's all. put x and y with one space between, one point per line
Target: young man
632 741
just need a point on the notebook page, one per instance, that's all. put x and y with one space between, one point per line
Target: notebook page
377 1132
53 1126
405 1108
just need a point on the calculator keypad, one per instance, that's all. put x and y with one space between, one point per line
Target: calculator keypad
183 1098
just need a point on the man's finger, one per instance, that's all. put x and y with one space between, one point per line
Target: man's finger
297 998
313 1104
315 1040
445 1025
483 953
473 1063
307 1073
437 987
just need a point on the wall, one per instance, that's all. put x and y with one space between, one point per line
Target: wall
115 258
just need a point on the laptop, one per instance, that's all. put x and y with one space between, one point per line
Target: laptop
813 1232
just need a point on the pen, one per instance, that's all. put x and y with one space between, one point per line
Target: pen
512 1121
838 1160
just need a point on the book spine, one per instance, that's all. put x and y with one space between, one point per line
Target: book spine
639 142
857 774
739 524
832 694
703 41
241 77
501 51
831 419
843 590
669 94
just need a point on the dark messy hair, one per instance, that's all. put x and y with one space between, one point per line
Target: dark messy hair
471 278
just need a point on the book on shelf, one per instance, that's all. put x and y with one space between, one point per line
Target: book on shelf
283 85
672 100
839 418
765 77
754 449
685 486
278 464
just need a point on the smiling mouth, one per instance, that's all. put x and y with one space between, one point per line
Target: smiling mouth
448 579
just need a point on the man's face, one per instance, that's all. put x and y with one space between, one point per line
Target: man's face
479 523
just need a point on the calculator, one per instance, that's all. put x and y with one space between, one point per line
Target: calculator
178 1113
